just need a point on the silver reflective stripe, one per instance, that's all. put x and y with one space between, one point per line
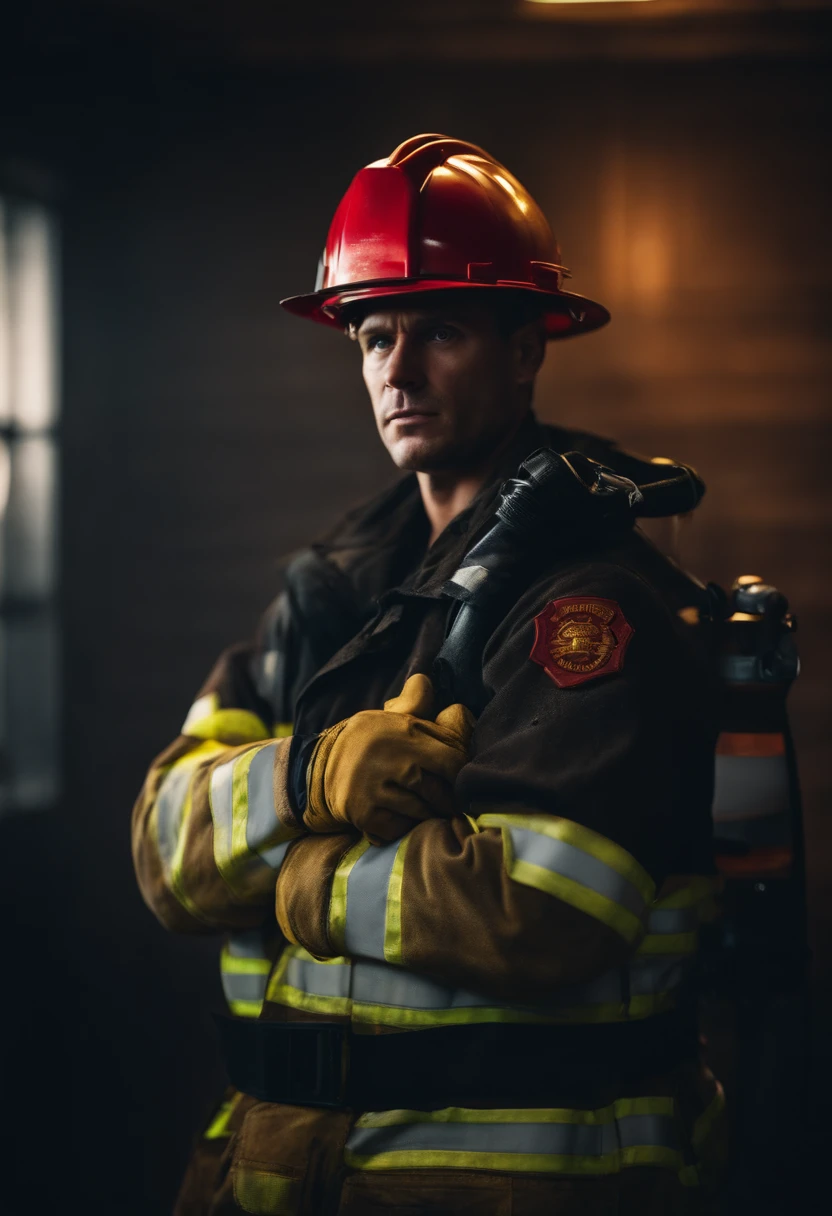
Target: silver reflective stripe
574 1139
318 979
241 790
367 902
243 987
170 803
376 984
653 1130
673 920
555 1139
750 787
221 799
202 708
384 984
274 856
570 862
261 822
250 943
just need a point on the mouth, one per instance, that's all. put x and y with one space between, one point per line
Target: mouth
410 415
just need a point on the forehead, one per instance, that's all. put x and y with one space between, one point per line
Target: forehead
404 320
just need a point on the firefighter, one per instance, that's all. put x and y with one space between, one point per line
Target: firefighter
458 953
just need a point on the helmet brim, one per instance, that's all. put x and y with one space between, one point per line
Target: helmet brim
566 314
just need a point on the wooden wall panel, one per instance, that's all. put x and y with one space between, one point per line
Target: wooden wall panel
207 433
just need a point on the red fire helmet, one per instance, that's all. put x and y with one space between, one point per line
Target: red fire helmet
441 213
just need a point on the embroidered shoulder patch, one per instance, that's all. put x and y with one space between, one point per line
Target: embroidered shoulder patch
577 639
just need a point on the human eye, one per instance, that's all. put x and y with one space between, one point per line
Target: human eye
442 333
378 342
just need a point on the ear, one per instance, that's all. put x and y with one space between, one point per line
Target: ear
528 349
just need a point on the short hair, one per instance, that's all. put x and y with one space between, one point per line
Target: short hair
512 307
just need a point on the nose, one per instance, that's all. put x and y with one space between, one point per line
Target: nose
404 368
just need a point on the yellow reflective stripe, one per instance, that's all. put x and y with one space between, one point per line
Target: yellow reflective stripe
703 1126
191 760
689 895
244 1000
599 906
449 1159
195 756
556 1114
282 730
240 852
703 1130
294 998
629 1132
282 993
338 897
235 965
651 1154
265 1193
669 943
389 1015
204 751
695 897
597 846
280 971
393 920
366 1014
246 1009
378 994
177 865
644 1106
218 1127
228 726
244 867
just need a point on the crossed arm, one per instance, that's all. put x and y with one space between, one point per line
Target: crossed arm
573 801
545 880
210 826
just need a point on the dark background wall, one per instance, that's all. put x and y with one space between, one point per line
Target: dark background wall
206 434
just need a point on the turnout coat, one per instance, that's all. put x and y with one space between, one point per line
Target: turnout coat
552 923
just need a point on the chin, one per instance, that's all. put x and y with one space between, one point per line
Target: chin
422 456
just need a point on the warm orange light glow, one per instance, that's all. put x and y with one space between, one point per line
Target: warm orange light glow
588 1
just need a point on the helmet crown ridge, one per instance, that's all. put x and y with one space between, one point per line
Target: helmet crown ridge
441 213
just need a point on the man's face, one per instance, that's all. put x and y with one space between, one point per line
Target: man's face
446 386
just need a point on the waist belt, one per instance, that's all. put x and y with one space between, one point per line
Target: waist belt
327 1064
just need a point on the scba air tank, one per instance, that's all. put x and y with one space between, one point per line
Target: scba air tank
756 809
755 954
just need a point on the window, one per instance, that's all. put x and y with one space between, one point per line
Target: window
29 659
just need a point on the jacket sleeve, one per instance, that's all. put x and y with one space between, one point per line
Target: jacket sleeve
212 822
579 800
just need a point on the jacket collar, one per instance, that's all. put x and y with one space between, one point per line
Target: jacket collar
383 545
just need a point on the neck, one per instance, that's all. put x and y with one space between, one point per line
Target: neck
447 492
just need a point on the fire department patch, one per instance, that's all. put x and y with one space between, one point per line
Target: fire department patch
578 639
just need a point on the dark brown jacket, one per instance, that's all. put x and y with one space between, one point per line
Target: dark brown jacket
567 891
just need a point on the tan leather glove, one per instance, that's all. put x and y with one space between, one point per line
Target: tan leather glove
383 770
